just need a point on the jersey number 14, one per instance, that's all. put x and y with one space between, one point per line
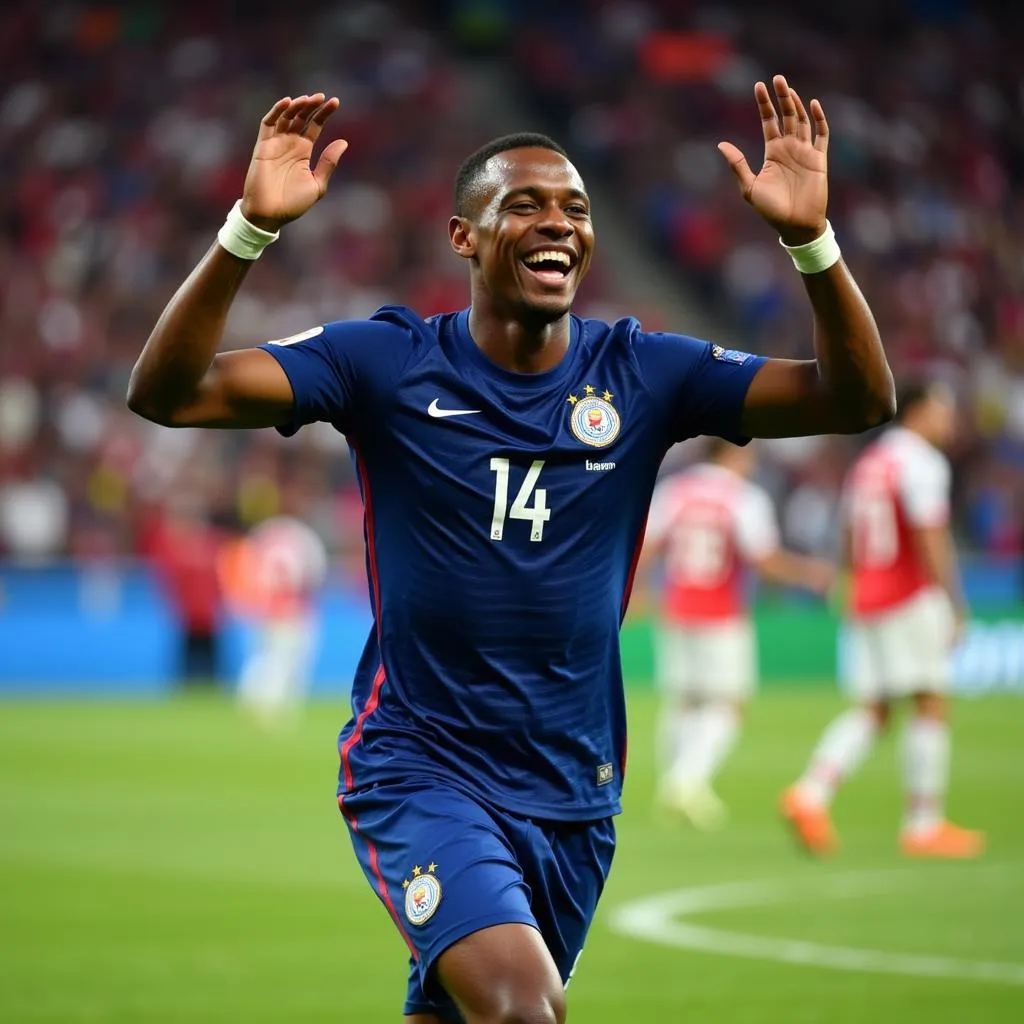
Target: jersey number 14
536 514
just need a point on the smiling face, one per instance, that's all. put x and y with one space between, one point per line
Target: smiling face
528 233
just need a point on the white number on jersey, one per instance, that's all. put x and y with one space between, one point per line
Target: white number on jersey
699 553
537 514
874 533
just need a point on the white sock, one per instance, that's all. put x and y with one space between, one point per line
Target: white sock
839 753
716 729
925 772
675 730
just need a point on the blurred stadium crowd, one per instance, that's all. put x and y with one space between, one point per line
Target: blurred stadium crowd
125 132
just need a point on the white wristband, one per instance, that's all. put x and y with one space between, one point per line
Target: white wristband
242 239
814 257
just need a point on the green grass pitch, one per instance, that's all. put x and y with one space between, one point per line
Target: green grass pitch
168 862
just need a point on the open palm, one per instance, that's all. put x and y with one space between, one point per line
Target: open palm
280 184
791 189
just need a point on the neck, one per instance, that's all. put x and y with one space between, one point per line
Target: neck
517 342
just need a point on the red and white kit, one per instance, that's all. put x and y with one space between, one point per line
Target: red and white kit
277 571
712 522
901 622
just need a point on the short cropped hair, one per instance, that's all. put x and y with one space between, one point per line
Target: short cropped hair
472 167
912 391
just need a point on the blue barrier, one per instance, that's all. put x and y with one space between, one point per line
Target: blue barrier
109 629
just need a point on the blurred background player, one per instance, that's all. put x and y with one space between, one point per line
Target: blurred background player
905 613
271 578
711 523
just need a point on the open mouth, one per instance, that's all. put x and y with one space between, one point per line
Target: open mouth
551 266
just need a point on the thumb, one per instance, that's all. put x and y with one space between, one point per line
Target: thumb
738 162
328 163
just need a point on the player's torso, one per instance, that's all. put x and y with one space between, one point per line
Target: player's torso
885 564
703 568
505 510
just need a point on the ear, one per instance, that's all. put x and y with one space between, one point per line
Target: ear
460 233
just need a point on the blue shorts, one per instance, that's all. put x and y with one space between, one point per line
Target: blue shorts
445 864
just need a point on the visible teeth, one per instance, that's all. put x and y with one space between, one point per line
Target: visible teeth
558 257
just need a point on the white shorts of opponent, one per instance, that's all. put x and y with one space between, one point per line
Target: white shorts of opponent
904 650
710 661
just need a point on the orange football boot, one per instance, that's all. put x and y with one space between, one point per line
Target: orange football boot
811 825
946 841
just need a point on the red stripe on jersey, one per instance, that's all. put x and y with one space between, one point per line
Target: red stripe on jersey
382 885
632 568
371 543
357 732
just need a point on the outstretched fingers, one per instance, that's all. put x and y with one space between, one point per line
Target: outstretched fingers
790 121
295 117
273 115
820 127
315 123
765 107
803 122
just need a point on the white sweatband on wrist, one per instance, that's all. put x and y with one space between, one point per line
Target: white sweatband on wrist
242 239
814 257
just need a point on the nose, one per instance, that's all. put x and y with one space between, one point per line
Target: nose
554 223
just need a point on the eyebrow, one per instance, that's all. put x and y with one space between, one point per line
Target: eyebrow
535 192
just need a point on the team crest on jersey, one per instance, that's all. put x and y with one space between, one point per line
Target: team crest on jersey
730 355
422 894
593 418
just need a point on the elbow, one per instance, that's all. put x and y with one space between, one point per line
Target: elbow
874 409
143 405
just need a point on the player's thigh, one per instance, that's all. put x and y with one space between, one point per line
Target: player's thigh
863 675
443 868
913 646
501 973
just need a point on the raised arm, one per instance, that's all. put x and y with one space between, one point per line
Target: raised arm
848 387
179 379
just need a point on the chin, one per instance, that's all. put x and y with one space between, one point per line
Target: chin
546 309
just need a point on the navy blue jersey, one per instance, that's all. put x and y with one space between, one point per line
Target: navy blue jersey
504 513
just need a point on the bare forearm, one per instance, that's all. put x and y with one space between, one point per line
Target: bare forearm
852 366
180 349
788 569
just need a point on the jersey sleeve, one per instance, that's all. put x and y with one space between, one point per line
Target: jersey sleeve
924 489
700 387
338 370
757 528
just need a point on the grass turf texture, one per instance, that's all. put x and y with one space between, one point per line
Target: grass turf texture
169 862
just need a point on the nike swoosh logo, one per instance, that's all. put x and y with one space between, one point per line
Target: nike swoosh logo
438 413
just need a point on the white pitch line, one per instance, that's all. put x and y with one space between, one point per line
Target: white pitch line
654 919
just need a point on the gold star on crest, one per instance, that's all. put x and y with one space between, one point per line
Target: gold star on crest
431 867
589 388
572 399
607 396
405 883
417 871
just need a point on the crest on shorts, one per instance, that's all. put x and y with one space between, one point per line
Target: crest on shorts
593 418
422 894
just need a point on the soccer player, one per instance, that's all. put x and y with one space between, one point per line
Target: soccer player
906 612
711 523
506 455
271 577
